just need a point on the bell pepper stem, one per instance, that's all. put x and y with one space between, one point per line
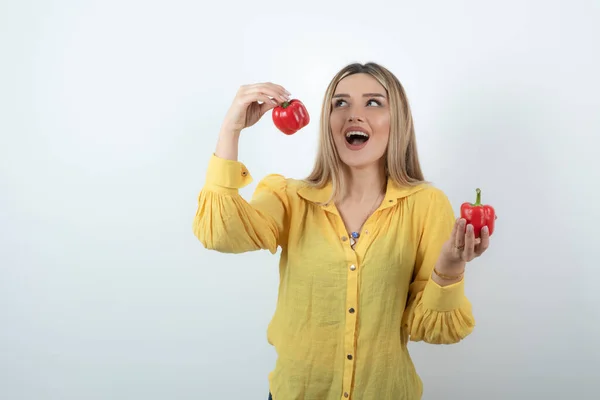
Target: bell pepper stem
285 104
478 199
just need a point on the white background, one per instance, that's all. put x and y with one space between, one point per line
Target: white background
109 112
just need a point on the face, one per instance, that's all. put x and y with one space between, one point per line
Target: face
360 120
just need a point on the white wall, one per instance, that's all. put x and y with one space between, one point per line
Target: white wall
109 111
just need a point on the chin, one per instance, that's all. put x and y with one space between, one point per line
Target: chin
363 156
359 159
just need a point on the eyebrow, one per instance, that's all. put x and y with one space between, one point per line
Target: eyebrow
364 95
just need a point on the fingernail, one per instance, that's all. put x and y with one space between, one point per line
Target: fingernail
470 228
484 229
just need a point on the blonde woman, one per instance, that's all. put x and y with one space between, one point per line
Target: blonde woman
371 253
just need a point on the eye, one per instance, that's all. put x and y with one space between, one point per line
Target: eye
370 103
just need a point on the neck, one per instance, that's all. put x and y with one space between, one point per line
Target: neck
364 184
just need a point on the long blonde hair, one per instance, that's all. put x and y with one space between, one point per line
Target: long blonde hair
401 158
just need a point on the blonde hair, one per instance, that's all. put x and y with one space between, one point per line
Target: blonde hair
401 158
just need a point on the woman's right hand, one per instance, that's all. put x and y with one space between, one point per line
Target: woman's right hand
251 103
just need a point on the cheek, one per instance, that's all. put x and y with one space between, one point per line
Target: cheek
382 121
381 125
336 121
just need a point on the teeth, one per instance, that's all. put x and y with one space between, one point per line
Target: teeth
357 133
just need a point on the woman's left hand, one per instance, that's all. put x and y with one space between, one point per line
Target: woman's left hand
462 246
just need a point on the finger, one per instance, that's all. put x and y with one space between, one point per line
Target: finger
459 240
252 97
258 90
452 238
280 98
485 241
469 252
273 90
275 94
454 231
266 106
277 88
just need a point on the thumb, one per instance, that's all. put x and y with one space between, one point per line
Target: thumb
266 106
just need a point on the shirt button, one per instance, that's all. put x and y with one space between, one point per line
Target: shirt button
346 395
349 356
352 267
351 311
344 238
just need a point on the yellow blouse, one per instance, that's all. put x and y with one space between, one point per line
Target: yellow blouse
343 316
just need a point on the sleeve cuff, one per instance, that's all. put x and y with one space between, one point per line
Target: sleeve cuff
444 298
226 175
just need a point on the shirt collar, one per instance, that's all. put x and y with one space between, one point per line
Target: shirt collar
394 192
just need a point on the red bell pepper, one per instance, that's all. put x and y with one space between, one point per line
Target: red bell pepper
290 117
478 215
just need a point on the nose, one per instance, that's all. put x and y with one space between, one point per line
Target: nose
354 118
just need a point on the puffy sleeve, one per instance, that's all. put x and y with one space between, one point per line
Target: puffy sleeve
227 223
436 314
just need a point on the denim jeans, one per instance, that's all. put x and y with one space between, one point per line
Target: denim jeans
270 396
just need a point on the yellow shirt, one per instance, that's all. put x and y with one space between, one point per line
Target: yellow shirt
343 316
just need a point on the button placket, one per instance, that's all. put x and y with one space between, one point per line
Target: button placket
351 308
351 321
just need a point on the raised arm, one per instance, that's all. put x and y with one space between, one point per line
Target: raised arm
224 221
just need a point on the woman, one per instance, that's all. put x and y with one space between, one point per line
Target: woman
371 253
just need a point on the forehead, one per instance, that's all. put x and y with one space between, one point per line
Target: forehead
357 84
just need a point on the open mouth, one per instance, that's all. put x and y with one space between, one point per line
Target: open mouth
356 138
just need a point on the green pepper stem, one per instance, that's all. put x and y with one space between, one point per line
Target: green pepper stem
478 199
285 104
